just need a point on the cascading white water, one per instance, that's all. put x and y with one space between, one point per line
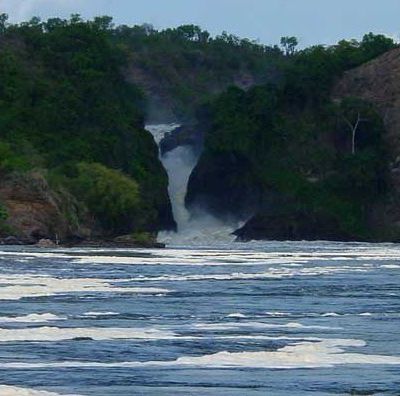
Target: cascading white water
201 229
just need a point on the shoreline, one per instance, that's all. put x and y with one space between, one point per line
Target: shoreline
90 243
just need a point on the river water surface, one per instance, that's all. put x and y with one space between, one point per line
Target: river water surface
246 319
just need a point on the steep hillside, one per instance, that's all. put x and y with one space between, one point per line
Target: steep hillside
378 82
76 161
74 95
72 131
301 165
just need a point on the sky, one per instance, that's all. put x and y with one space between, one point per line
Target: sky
312 21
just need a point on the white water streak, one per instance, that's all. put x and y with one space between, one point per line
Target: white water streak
16 287
325 353
14 391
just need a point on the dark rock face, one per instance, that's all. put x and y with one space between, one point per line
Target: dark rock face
37 212
278 218
147 240
290 227
222 186
165 219
185 135
13 241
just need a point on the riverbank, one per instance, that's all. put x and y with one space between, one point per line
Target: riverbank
126 241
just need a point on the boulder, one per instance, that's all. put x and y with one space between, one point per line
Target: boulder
46 243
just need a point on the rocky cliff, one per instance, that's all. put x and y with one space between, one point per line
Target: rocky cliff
378 82
36 211
75 159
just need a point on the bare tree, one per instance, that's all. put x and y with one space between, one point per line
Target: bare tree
354 127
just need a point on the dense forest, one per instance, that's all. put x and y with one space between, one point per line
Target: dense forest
307 166
72 115
75 94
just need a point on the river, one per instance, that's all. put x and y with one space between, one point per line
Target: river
270 318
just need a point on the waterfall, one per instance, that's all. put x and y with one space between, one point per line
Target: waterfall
199 229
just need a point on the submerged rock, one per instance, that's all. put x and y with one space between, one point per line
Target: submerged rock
11 240
185 135
46 243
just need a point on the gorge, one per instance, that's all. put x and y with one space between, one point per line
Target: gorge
264 149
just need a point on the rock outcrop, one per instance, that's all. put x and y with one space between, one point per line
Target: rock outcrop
185 135
37 212
222 186
378 82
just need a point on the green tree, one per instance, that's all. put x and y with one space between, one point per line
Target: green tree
3 213
373 45
114 198
289 44
3 22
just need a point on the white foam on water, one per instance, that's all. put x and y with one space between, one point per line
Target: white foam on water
32 318
159 130
110 313
288 264
260 250
6 390
277 314
28 256
236 315
259 325
233 276
31 285
55 334
185 260
271 273
330 314
48 333
325 353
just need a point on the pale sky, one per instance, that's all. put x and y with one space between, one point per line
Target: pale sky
312 21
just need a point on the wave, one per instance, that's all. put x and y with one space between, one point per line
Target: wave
54 334
239 255
272 273
259 325
278 314
325 353
236 315
94 333
185 260
6 390
95 314
31 285
32 318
